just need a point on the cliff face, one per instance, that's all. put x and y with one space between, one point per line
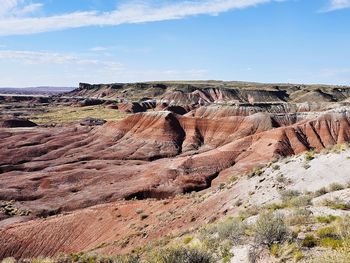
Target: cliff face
184 93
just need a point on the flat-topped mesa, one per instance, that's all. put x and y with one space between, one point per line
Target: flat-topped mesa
208 92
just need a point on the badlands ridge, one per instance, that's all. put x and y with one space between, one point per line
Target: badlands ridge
79 188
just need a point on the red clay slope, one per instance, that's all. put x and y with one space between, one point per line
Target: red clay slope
158 154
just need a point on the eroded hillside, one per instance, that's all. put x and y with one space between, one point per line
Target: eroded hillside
110 188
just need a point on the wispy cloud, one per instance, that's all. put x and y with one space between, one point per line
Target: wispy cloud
336 5
57 68
18 8
134 12
50 58
98 49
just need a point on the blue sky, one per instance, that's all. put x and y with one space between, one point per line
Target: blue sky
64 42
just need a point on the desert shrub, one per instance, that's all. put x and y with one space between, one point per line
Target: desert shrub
274 249
327 232
309 241
84 258
221 249
293 198
335 187
286 195
250 211
282 179
299 201
310 155
270 228
275 206
255 172
233 179
339 255
343 227
321 191
187 240
212 243
336 204
306 166
299 216
232 229
338 148
182 255
276 167
286 252
330 242
297 256
326 219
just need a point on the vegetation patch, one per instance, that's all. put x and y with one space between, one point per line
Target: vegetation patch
326 219
64 114
336 204
270 228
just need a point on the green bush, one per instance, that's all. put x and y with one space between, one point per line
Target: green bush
281 179
187 240
310 155
297 256
343 227
327 232
299 201
336 204
255 172
232 229
300 216
286 195
326 219
276 167
321 191
336 187
309 241
286 252
182 255
330 242
250 211
270 228
275 206
84 258
338 255
293 198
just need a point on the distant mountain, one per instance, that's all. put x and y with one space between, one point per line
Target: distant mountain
43 90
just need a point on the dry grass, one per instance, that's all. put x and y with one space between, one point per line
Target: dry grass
72 114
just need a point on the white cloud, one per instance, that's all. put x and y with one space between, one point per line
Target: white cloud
337 5
17 8
135 12
98 49
50 58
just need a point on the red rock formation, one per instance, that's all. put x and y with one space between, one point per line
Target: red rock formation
153 154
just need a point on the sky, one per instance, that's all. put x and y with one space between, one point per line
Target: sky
64 42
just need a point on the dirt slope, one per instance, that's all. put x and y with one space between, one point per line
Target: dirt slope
114 187
147 155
